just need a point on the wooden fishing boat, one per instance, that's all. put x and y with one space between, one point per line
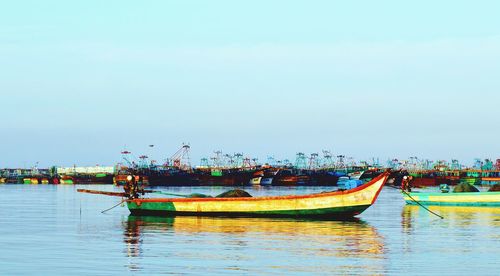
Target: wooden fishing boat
255 180
454 199
337 204
491 179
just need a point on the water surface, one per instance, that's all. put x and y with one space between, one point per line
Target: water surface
53 229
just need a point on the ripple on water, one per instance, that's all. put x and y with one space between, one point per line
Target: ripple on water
46 228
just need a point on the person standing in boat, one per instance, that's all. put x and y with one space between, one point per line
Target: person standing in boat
405 184
132 188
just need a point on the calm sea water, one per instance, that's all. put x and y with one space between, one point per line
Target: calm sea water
49 229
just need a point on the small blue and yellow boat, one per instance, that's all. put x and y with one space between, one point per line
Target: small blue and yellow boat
454 199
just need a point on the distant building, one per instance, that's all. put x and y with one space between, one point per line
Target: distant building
85 170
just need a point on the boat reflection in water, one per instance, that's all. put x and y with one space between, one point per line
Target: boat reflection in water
454 216
256 244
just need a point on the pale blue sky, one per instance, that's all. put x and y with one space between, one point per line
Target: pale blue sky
78 81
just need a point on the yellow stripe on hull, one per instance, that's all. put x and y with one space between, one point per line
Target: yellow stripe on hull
364 197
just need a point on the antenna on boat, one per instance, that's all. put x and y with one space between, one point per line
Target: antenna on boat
300 161
328 162
314 161
181 159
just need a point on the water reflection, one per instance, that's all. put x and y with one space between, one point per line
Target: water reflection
336 241
132 238
462 216
462 231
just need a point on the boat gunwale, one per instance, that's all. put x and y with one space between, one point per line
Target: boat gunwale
382 177
454 194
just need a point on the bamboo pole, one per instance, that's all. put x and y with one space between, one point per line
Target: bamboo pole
101 192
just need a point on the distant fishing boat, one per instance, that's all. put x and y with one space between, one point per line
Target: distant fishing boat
268 177
255 180
66 180
355 175
433 178
257 177
31 180
323 178
454 199
491 179
266 181
337 204
289 177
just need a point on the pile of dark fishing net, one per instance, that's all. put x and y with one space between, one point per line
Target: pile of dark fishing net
235 193
465 188
230 193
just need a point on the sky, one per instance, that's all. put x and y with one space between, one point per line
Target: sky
82 80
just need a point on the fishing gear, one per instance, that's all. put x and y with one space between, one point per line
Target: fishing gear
420 204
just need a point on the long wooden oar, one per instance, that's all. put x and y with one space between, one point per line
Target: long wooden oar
146 191
101 192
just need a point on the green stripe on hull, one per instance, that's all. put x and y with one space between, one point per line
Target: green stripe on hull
152 206
168 208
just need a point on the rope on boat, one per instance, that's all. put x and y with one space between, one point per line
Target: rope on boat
421 205
123 200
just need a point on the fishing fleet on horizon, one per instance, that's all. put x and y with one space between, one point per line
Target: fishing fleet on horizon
238 170
357 184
